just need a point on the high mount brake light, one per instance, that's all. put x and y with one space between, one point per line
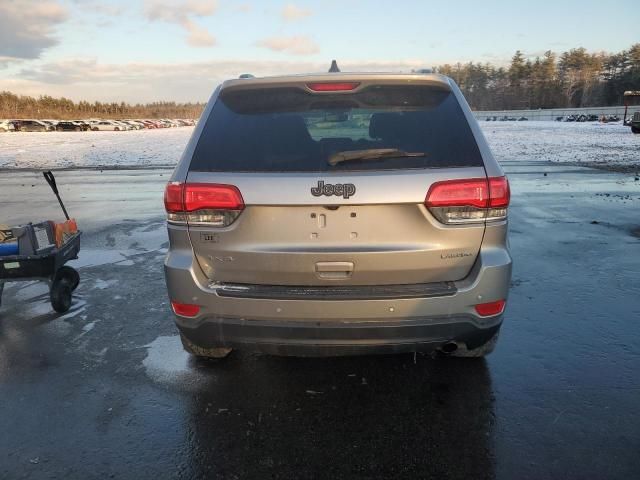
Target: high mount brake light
202 203
333 86
469 200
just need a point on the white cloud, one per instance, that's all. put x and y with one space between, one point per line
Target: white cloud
291 13
198 36
296 45
181 13
91 80
27 27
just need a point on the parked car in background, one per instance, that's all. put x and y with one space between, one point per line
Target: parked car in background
6 126
106 125
135 124
51 125
84 126
34 126
124 126
68 127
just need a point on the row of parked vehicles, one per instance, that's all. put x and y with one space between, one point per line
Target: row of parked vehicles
32 125
589 118
506 119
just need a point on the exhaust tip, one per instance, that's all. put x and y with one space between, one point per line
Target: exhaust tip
449 347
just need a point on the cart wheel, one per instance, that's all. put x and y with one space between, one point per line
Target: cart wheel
70 274
60 295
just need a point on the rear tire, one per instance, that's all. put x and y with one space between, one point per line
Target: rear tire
70 274
478 352
202 352
116 129
60 295
635 130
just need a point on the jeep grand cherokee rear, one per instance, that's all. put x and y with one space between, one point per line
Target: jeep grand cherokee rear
338 214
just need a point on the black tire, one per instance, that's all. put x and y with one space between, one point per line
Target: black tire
635 129
94 129
116 129
202 352
60 295
70 274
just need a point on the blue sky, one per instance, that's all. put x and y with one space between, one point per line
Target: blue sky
143 50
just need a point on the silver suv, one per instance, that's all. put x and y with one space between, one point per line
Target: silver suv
338 214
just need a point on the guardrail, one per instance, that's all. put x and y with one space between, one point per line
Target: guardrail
553 113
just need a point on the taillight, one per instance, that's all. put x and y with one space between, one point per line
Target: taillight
202 203
333 86
469 201
185 309
173 197
491 308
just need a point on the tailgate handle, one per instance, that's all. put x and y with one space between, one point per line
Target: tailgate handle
334 270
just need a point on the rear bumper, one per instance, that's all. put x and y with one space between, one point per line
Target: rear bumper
332 339
314 326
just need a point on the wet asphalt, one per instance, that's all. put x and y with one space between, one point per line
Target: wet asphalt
105 390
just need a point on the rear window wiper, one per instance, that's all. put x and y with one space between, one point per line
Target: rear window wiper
371 154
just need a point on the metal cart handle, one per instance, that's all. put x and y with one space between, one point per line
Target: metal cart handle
51 180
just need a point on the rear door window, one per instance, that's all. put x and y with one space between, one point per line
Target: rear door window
292 130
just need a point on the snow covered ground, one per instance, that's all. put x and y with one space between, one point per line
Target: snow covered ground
610 146
136 148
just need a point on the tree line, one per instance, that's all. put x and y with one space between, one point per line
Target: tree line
14 106
576 78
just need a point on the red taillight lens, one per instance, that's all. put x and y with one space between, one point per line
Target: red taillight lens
201 196
189 197
185 309
499 192
204 204
469 201
173 196
333 86
489 309
458 193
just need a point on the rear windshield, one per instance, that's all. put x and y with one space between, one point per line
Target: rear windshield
292 130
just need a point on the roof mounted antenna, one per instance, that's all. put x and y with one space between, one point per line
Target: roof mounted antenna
334 67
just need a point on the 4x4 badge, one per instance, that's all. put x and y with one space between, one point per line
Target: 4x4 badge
344 190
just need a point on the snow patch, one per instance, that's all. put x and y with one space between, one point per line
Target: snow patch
167 362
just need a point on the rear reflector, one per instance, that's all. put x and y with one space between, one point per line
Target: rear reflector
489 309
333 86
469 200
185 309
